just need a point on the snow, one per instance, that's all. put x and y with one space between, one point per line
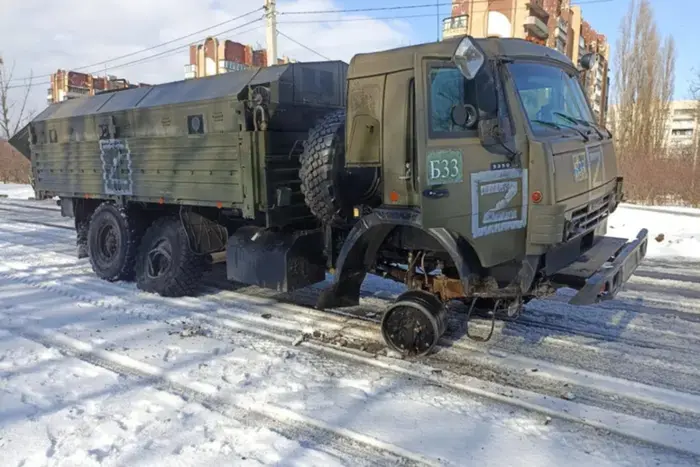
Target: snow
97 373
16 191
679 227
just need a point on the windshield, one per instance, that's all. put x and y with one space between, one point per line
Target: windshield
550 95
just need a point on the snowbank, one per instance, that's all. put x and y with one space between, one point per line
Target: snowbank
16 191
673 231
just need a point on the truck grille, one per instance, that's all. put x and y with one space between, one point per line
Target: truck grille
587 217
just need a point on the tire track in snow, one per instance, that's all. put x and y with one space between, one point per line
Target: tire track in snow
473 360
506 367
649 431
613 340
287 422
621 304
31 204
479 360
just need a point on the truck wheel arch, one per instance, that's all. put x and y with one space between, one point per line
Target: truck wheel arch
362 245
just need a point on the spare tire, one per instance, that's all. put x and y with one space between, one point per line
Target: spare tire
322 166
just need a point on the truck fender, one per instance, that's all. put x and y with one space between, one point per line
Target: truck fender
361 246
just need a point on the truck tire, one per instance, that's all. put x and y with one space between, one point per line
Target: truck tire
165 264
112 240
322 164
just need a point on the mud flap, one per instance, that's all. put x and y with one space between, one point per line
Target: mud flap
276 260
600 272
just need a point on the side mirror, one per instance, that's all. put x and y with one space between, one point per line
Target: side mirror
464 116
586 61
487 131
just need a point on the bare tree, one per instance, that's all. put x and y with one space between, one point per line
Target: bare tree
13 116
13 112
644 83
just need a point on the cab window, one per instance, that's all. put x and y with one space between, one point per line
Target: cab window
449 89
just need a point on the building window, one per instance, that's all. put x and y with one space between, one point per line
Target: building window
684 132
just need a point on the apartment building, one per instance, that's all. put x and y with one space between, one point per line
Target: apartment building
213 57
682 126
73 84
553 23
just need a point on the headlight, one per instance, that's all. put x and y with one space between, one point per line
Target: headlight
468 58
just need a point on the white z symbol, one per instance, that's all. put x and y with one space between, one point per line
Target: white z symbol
510 189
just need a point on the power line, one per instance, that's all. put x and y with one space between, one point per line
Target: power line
389 18
131 54
405 7
363 10
351 20
143 59
302 45
355 10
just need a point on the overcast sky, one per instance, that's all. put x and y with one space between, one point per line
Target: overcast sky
41 36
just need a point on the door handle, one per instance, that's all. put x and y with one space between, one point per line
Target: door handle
436 193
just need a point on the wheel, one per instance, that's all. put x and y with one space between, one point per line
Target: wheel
166 265
414 323
322 164
112 240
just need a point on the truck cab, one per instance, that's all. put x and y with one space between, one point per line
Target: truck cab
493 169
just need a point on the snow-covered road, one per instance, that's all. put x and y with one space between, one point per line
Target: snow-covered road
95 373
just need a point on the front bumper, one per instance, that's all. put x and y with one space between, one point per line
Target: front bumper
600 273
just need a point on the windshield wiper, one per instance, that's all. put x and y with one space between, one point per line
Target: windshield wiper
580 122
559 126
544 122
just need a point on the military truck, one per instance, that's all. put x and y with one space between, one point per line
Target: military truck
468 169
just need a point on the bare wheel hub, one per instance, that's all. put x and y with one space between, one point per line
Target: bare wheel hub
159 259
414 324
108 242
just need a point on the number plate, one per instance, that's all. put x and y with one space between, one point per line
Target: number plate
444 166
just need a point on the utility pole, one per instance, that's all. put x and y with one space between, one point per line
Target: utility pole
437 17
271 32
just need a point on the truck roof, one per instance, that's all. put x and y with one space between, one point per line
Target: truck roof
403 58
188 90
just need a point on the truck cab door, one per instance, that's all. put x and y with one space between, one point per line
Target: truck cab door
462 185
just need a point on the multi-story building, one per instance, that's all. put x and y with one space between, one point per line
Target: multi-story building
73 84
682 126
214 57
554 23
525 19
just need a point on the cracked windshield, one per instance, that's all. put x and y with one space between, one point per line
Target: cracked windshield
551 97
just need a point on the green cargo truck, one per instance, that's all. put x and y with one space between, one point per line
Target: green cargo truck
468 169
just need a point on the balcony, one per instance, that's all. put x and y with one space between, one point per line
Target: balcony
561 24
190 71
227 65
536 27
455 26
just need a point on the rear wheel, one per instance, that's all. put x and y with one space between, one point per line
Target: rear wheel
166 264
112 241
